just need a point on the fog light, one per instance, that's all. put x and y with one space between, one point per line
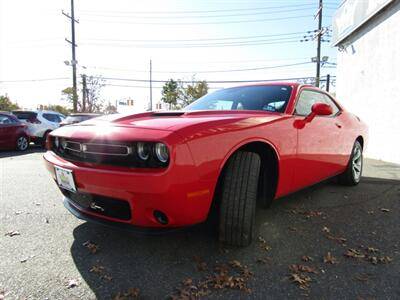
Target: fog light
160 217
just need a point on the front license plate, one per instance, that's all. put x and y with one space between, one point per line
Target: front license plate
65 179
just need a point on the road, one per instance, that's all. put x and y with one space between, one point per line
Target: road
325 242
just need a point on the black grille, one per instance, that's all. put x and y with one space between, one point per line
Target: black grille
105 153
106 206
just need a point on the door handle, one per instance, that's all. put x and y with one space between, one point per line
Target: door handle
338 125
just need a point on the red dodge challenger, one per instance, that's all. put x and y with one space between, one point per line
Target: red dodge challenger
158 171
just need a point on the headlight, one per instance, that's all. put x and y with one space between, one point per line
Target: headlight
143 150
63 143
161 151
57 142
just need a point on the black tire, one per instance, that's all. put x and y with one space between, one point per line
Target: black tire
238 199
22 143
349 176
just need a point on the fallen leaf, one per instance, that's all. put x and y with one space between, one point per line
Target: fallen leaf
301 280
263 260
330 259
306 258
92 247
362 277
263 244
302 268
385 259
97 269
107 277
385 209
72 283
12 233
200 264
132 293
326 229
354 253
372 250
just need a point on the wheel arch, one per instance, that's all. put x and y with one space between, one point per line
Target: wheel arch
269 177
360 139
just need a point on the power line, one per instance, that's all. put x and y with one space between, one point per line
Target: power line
200 11
33 80
198 17
255 43
209 81
200 23
198 40
230 70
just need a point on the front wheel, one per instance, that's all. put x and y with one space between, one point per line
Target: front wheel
22 143
238 199
352 175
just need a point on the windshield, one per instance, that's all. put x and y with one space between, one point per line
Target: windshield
273 98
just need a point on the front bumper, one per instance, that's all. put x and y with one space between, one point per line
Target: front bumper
117 225
175 191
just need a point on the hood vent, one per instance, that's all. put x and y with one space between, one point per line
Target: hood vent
168 113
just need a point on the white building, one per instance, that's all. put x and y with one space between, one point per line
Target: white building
367 34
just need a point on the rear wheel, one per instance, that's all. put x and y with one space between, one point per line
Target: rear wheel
238 199
22 143
352 175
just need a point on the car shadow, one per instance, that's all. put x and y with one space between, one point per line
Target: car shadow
158 265
32 149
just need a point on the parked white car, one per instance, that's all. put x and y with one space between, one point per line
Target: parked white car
40 123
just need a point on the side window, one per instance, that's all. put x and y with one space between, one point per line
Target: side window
306 101
332 104
52 118
5 120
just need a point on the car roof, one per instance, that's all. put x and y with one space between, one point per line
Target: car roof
36 111
266 83
83 114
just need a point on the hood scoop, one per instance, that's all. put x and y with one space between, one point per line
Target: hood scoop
168 113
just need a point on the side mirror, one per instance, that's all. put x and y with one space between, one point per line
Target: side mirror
318 109
321 109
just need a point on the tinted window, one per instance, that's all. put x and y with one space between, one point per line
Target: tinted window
25 115
326 99
52 118
5 120
308 98
272 98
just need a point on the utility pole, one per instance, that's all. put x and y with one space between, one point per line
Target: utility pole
319 35
328 82
84 92
151 89
73 61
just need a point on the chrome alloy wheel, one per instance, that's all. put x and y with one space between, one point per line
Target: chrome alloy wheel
356 162
22 143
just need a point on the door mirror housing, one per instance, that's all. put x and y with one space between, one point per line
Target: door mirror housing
318 109
321 109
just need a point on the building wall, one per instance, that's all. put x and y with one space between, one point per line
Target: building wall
368 81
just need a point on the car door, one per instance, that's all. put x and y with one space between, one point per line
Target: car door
8 131
317 149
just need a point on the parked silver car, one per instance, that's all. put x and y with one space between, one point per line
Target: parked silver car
40 123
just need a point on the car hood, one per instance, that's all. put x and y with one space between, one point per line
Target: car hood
161 124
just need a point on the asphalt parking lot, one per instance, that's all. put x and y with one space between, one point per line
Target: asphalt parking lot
326 242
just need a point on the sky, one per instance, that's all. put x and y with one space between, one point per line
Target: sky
202 39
